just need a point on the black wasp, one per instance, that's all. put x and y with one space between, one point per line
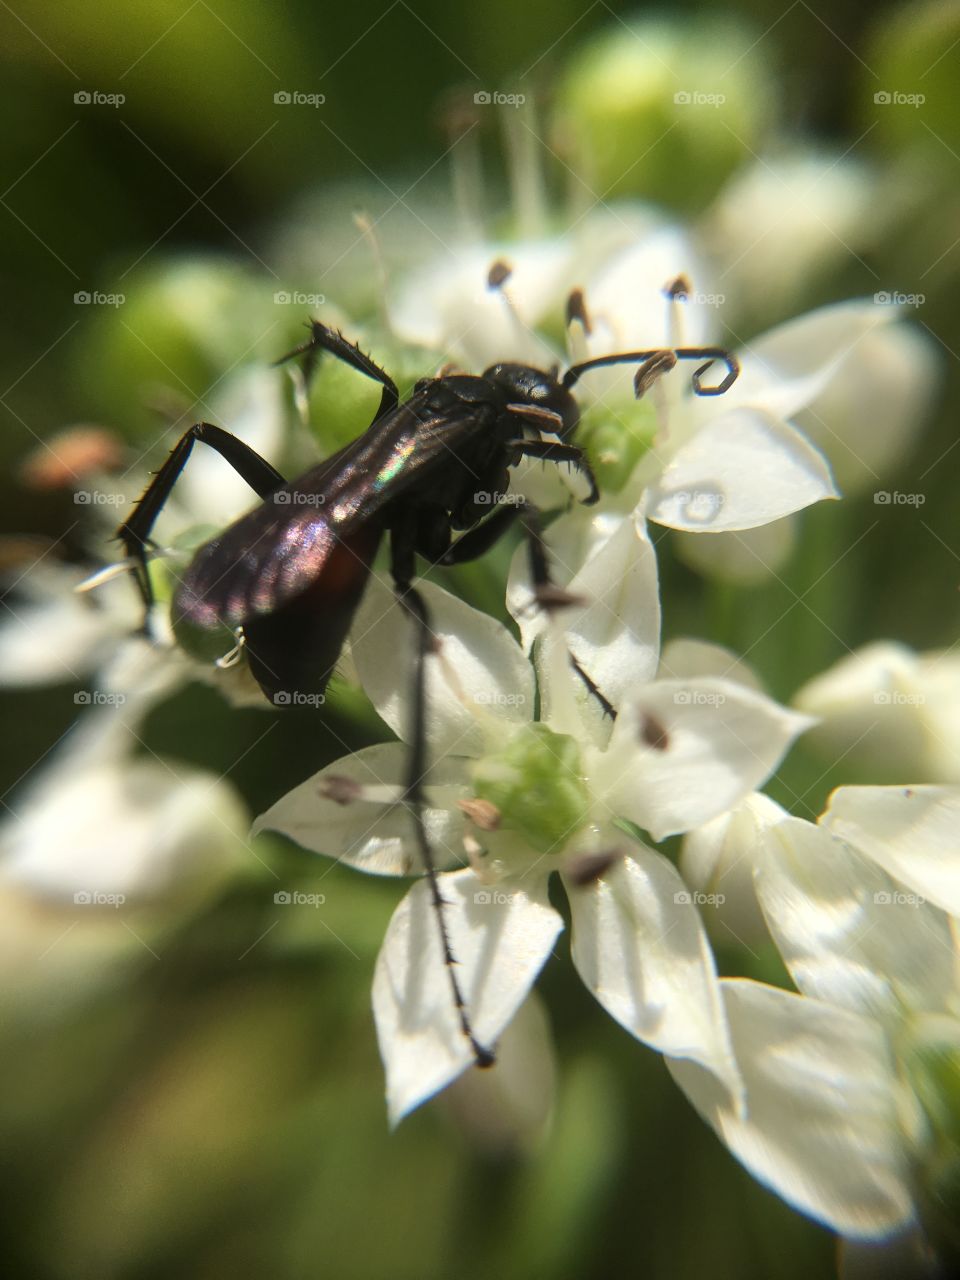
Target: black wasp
288 576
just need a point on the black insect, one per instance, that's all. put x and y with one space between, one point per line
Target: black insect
288 576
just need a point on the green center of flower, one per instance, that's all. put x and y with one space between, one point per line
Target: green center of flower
536 784
616 440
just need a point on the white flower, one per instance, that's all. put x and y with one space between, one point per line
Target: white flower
890 710
845 378
97 821
99 826
785 218
844 1095
912 833
680 752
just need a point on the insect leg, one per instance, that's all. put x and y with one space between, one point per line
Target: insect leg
416 607
555 451
134 533
325 339
480 538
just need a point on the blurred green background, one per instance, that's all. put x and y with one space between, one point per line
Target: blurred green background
212 1104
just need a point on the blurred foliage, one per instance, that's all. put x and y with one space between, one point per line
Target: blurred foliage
215 1105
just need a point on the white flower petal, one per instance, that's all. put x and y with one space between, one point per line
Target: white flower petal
449 305
820 1127
627 303
871 411
639 945
746 556
140 830
846 932
500 941
370 833
615 633
912 832
57 635
891 710
685 658
786 218
682 752
786 368
718 859
479 678
742 469
507 1111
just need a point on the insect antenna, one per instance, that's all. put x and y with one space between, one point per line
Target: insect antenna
707 354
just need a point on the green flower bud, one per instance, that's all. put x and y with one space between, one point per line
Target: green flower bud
342 401
178 328
914 97
665 111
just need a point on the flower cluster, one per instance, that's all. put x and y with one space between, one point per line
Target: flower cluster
578 749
